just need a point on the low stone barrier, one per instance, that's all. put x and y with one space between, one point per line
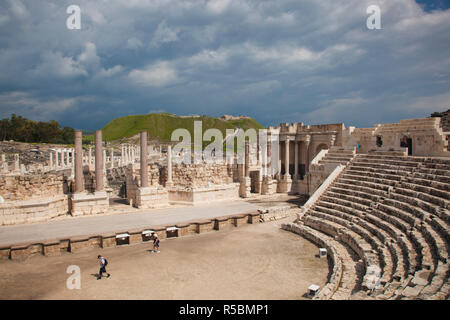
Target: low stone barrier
276 213
335 278
134 236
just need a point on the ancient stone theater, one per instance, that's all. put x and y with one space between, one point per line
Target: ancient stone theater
374 201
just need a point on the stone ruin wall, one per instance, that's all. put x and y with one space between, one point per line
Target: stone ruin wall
32 186
33 197
199 175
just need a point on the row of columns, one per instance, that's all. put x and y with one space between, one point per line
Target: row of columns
99 163
62 158
306 144
129 154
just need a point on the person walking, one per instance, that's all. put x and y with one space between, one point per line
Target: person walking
103 263
155 243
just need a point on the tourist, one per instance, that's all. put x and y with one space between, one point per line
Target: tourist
155 243
103 264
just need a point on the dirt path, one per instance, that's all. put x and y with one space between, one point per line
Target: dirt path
251 262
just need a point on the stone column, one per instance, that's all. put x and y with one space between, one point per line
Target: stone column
169 166
111 155
90 157
247 159
62 158
78 162
287 176
99 185
57 157
144 166
104 160
307 143
51 160
296 161
269 156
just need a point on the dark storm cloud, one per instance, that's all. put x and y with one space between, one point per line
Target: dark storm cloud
278 61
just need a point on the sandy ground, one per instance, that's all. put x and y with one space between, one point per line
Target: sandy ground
250 262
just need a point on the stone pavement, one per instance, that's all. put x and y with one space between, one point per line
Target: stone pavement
85 225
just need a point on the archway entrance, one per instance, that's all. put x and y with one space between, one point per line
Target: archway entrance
406 142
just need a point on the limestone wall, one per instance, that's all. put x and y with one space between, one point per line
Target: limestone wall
426 136
37 210
200 175
25 187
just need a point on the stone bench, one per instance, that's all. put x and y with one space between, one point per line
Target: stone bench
390 157
374 174
436 201
401 163
425 251
203 226
223 223
351 198
438 166
379 221
334 258
393 172
435 172
356 194
367 179
366 185
428 183
253 217
438 280
426 189
431 177
343 219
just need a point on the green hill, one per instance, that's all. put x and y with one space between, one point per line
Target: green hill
160 126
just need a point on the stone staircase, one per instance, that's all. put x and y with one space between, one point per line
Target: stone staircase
338 155
386 219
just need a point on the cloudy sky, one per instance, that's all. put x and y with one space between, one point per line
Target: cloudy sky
278 61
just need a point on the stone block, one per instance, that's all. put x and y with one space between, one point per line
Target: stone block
4 253
183 229
160 231
135 236
240 220
253 217
204 226
26 250
108 240
79 243
51 248
223 223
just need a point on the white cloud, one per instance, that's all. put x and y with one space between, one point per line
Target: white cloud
159 74
164 34
214 58
217 6
134 43
55 64
18 9
89 58
38 108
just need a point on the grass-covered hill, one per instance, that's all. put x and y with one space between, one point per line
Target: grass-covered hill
160 126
